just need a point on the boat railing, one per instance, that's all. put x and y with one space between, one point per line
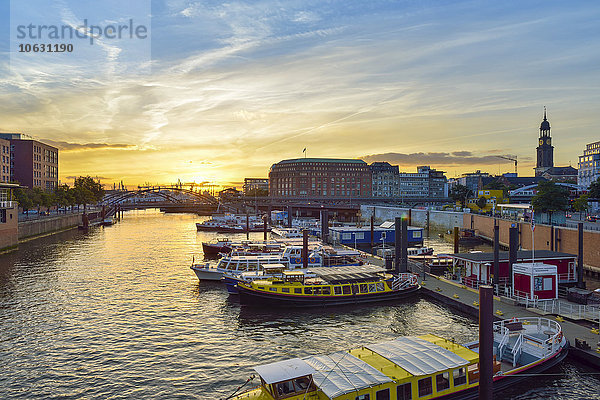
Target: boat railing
537 325
505 333
517 349
404 280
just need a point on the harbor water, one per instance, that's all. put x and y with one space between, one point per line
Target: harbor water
116 313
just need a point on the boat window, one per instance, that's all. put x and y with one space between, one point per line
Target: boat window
425 387
252 267
317 290
261 287
460 376
346 289
241 267
404 392
382 394
273 289
473 370
364 288
307 290
285 290
298 290
337 290
327 290
380 286
372 288
363 397
442 381
301 383
283 389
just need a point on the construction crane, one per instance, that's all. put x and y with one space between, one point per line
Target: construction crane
511 159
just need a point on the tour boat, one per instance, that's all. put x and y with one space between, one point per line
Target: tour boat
329 286
415 367
291 257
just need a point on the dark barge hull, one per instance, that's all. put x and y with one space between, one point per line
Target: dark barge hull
254 297
502 383
212 250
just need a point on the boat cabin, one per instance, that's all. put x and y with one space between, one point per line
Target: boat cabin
287 379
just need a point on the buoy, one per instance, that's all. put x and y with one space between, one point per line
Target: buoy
499 312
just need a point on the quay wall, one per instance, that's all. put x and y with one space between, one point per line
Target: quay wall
9 235
561 239
42 226
442 220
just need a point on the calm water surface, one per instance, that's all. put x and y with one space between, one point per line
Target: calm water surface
116 313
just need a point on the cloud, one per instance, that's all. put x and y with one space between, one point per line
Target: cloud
66 146
454 158
72 177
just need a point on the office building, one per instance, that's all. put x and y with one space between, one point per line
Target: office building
589 165
32 163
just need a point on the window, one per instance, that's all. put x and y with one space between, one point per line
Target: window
425 387
364 288
460 376
327 290
380 286
298 290
307 290
442 381
273 289
382 394
372 288
285 290
473 370
337 290
346 289
404 392
363 397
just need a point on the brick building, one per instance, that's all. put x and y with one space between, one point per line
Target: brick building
5 174
32 163
320 178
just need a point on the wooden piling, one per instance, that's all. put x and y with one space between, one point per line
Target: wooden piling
486 342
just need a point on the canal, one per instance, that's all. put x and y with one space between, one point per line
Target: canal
116 313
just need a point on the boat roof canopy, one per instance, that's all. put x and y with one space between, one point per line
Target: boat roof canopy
349 273
418 356
340 373
284 370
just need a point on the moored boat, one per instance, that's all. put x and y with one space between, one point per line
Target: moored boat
415 367
329 287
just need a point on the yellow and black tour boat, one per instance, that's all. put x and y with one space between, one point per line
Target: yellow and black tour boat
325 286
415 367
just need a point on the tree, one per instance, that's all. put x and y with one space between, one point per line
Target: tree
550 197
86 190
64 196
481 202
594 191
25 199
581 204
460 193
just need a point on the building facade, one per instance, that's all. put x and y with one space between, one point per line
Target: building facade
256 185
545 150
426 183
474 181
385 179
589 165
320 178
9 232
6 172
32 163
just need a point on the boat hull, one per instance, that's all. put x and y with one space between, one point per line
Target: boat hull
212 250
249 296
503 382
205 274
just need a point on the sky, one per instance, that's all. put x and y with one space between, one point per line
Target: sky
219 91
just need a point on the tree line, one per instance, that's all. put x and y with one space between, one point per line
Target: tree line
85 191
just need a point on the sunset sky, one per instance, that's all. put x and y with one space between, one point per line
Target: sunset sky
219 91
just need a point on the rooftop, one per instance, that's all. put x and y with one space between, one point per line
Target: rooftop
322 160
521 255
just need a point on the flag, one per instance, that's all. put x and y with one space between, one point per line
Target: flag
532 221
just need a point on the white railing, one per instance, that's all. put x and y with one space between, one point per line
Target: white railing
503 341
8 204
404 280
533 325
517 349
565 308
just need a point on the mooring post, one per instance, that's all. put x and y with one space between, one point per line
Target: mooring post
324 226
404 246
455 237
580 282
372 230
305 249
265 227
397 244
513 247
289 215
427 220
409 216
486 342
247 225
497 257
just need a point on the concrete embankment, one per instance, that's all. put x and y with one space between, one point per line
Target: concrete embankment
443 220
47 225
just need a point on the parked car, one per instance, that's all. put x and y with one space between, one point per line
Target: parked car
592 218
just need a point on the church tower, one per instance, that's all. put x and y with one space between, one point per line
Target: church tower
545 150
